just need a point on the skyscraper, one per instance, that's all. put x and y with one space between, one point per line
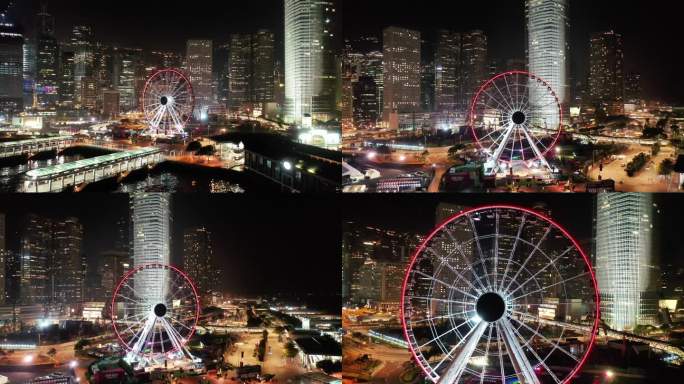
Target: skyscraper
548 49
198 261
633 89
82 44
263 64
34 260
401 72
240 71
126 68
67 87
67 266
3 261
365 102
311 45
624 259
606 72
11 68
199 67
474 65
151 217
47 61
447 70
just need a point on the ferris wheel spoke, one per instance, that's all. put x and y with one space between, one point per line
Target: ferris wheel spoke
438 299
536 356
479 251
534 250
181 324
445 284
486 354
535 148
436 338
508 90
502 367
555 345
458 365
496 247
503 98
444 261
449 316
501 107
520 362
501 146
550 263
551 286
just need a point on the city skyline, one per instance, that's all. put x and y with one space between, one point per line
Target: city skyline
504 24
237 242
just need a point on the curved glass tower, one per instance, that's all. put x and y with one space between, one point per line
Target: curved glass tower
547 50
624 259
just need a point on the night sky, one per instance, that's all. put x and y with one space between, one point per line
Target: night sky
651 30
157 24
265 244
575 212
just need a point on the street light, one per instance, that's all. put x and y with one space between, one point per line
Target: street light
28 359
73 364
287 165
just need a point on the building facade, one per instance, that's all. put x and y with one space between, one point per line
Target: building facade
548 49
606 72
624 259
11 68
311 45
401 72
199 67
151 218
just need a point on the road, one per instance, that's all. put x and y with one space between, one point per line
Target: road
646 180
275 362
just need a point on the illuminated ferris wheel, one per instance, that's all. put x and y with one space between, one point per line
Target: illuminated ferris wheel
515 117
168 102
155 309
500 294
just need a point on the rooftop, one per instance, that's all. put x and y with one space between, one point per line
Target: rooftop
327 163
86 163
319 345
15 143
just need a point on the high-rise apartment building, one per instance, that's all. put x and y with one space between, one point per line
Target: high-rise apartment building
11 68
198 261
67 266
47 62
35 260
240 71
447 70
474 65
263 66
401 71
199 67
606 72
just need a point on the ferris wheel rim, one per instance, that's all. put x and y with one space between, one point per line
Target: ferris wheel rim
488 83
138 269
441 226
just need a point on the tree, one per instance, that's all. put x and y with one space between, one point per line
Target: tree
291 349
194 146
209 150
666 167
51 352
329 367
384 150
81 344
655 149
455 151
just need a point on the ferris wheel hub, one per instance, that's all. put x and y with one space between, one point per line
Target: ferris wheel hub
164 100
519 117
160 310
490 307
